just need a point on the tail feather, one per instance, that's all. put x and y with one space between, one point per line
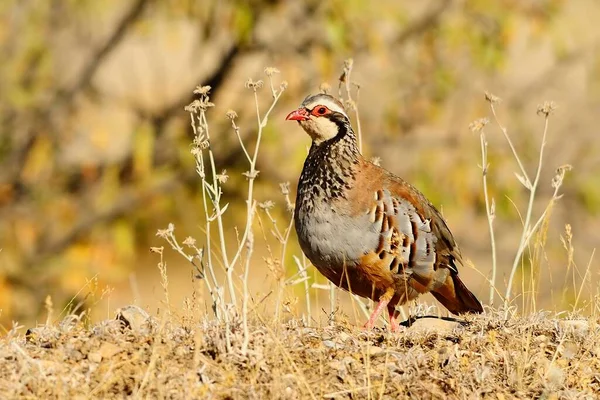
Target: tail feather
455 296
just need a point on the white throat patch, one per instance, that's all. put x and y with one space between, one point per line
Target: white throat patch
320 128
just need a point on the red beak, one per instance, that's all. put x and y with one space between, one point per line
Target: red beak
300 114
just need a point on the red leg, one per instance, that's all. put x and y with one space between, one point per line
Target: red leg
394 324
383 302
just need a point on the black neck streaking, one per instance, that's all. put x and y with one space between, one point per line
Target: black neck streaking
330 168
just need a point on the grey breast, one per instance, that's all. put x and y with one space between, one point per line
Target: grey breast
331 238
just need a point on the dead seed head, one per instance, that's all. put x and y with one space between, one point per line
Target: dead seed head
231 115
560 175
325 88
350 104
285 188
348 63
283 85
223 177
492 98
163 233
270 71
202 90
201 142
478 125
546 108
158 250
266 205
254 85
568 231
189 241
250 174
199 105
193 107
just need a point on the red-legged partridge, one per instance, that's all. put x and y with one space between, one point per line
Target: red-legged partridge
367 230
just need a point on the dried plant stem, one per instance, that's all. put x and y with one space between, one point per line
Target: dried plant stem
510 143
250 247
216 191
217 297
490 212
345 79
253 173
527 229
331 303
283 239
302 271
164 281
585 276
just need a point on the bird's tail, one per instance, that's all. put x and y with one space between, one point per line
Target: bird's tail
455 296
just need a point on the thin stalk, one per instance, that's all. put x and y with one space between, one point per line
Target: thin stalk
218 301
250 248
510 143
216 204
252 173
302 270
490 212
527 232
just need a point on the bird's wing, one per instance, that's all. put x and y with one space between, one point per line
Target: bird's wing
415 244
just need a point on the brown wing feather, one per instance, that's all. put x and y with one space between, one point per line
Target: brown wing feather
428 270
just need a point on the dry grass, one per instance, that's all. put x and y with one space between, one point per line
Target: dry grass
233 350
537 356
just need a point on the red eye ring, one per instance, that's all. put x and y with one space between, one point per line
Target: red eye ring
319 110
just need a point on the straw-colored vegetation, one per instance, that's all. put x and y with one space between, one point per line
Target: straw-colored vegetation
538 356
234 310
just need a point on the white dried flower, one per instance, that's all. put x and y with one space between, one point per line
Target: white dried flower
158 250
492 98
546 108
230 114
266 205
189 241
478 125
223 177
202 90
250 84
285 188
270 71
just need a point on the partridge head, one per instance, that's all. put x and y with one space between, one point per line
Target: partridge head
367 230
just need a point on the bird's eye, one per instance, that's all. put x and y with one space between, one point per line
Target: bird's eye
322 110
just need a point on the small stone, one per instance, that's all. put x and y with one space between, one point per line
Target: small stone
344 336
569 350
556 376
337 365
181 351
136 319
579 328
438 325
108 350
289 392
95 357
374 350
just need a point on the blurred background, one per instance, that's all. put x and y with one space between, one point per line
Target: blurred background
95 143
